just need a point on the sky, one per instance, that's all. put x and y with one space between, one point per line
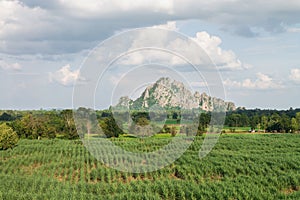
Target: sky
47 47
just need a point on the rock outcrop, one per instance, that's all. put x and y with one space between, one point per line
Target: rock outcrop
170 94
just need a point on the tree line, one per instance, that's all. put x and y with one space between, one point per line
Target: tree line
61 124
41 124
283 121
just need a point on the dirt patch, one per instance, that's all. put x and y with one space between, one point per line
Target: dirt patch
290 190
76 176
216 177
174 176
31 168
60 178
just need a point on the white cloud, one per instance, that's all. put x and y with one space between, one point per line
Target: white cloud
19 22
10 66
31 26
171 25
65 76
226 11
224 59
295 75
92 8
232 84
262 82
293 30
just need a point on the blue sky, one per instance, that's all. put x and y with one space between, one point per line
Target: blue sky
255 45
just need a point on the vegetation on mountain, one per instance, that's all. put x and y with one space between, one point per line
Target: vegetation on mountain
171 94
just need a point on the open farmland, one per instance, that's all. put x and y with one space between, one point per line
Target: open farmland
239 167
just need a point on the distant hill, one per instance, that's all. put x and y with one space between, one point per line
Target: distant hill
169 94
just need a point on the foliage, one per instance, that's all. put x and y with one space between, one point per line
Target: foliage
8 137
68 125
204 120
6 117
294 125
110 127
34 127
60 123
166 129
173 131
265 120
46 124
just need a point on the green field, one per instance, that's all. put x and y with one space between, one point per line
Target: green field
236 129
239 167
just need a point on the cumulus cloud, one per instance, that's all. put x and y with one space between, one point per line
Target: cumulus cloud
171 25
32 26
19 22
293 30
295 75
224 59
10 66
262 82
88 8
65 76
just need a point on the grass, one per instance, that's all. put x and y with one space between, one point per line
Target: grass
236 129
241 167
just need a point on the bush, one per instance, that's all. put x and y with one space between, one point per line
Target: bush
8 137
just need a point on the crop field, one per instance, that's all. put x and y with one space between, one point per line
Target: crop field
257 166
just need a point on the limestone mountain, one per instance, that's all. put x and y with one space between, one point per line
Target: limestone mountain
168 93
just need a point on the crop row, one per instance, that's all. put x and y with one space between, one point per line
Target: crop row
239 167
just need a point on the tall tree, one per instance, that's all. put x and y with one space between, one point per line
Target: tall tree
274 123
69 128
264 122
285 123
294 125
298 119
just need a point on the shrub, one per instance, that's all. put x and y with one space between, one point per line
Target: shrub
166 129
8 137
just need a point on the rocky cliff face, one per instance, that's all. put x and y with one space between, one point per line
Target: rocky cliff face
169 93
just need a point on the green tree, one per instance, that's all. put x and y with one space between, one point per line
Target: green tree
69 128
34 127
264 122
274 124
294 125
204 120
285 123
298 119
110 127
8 137
233 120
254 121
244 120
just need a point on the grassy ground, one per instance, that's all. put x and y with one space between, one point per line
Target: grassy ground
239 167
